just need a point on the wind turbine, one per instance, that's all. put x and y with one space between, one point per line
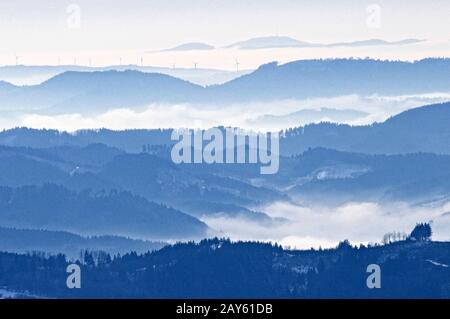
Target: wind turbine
120 61
195 65
142 61
17 59
237 65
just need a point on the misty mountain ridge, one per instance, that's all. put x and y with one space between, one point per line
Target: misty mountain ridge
346 177
34 75
95 92
422 129
279 42
53 207
101 168
99 182
59 242
330 78
308 116
231 190
191 46
268 42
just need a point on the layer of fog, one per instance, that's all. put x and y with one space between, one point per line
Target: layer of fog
325 227
249 115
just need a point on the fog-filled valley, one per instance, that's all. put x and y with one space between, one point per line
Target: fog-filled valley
357 164
359 184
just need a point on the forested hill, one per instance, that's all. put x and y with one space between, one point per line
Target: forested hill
92 92
421 129
218 268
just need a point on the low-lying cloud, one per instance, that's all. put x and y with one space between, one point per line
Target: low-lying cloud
251 116
316 226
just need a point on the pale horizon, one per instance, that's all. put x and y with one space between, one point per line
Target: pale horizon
102 33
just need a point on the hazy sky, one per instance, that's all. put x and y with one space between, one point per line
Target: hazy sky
48 26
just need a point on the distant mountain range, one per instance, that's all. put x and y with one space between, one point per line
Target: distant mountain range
375 42
94 92
389 161
331 177
99 168
102 182
53 207
269 43
308 116
191 46
33 75
331 78
338 177
88 92
225 190
74 161
72 245
280 42
423 129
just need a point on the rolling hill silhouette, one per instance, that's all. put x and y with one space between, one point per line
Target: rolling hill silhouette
94 92
423 129
54 207
279 42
